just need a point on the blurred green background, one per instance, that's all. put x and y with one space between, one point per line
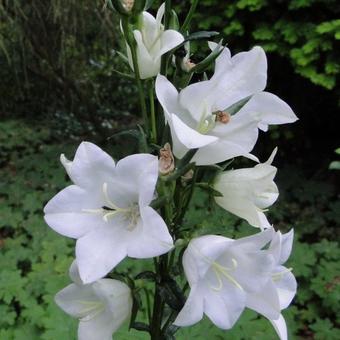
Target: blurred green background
59 87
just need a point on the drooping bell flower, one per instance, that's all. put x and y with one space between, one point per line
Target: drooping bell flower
221 272
248 192
101 307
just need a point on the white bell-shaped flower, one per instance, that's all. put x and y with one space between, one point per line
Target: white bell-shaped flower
248 192
280 290
101 307
152 42
198 115
107 210
221 272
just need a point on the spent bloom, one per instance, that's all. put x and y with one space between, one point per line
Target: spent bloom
248 192
202 115
221 272
152 42
101 307
280 290
107 210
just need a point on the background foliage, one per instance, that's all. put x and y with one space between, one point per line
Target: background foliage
59 86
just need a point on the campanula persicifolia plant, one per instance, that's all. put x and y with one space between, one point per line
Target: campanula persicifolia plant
135 207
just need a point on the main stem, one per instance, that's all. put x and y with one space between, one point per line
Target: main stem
132 45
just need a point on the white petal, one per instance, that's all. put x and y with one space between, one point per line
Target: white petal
140 172
148 66
117 296
247 76
201 253
271 157
167 95
74 273
270 109
90 165
188 136
98 328
74 299
65 213
99 251
151 237
286 286
265 301
280 327
286 246
236 138
256 241
225 307
192 312
169 40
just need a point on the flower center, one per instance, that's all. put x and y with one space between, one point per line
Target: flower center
223 272
110 209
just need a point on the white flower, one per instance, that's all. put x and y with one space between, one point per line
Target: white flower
248 192
152 42
101 307
280 290
108 210
221 272
266 107
198 116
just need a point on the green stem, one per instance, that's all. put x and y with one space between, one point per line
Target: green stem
167 16
153 115
188 19
130 40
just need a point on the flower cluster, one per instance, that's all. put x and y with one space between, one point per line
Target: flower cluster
109 209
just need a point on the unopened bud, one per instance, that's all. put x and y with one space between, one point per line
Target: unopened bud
223 117
166 160
128 4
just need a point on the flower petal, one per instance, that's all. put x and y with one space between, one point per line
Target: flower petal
148 66
247 76
189 137
90 164
100 327
74 273
151 237
167 95
224 308
286 286
270 109
236 138
280 327
265 301
74 299
99 251
65 213
192 312
168 40
140 173
286 246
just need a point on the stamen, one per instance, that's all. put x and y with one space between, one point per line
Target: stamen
218 269
107 198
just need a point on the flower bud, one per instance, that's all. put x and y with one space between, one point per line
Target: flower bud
166 160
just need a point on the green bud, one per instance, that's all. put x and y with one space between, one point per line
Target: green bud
128 7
